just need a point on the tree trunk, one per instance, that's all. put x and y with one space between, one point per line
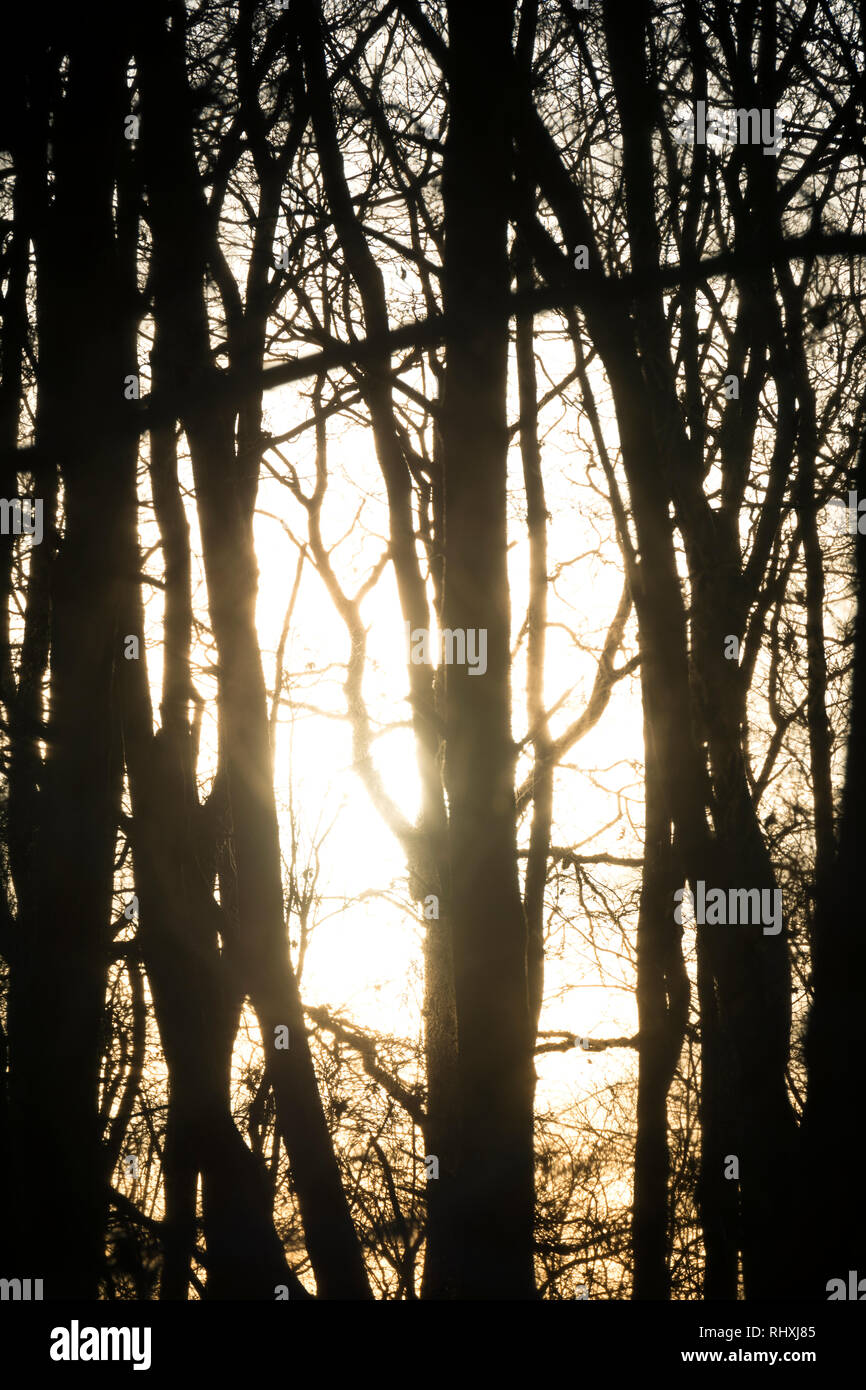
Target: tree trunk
496 1188
196 1011
87 323
428 866
751 969
836 1036
179 223
663 1006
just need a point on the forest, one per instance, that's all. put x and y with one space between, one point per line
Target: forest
432 675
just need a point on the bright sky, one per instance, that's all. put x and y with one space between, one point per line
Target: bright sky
366 956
